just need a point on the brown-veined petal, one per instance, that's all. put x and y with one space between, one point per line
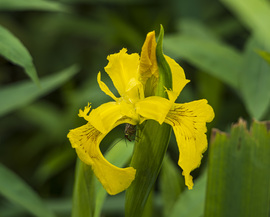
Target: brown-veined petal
189 124
86 140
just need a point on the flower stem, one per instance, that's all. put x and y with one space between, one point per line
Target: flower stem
152 144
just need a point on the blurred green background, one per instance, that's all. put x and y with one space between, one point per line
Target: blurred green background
218 43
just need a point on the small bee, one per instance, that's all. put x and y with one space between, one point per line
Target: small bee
130 131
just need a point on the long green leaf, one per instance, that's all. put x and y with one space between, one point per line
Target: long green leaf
32 5
254 81
211 56
16 190
238 175
255 14
22 93
13 50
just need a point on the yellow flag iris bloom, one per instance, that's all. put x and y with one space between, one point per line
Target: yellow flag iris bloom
135 79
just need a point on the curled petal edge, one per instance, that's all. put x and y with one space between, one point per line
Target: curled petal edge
86 140
188 121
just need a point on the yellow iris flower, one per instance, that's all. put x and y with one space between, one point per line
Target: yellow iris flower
135 79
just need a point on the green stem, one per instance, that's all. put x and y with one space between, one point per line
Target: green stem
151 147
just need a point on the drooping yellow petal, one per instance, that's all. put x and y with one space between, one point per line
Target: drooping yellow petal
154 107
105 116
105 88
122 68
178 78
189 124
148 62
86 140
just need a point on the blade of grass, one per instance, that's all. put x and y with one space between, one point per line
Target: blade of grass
21 93
14 51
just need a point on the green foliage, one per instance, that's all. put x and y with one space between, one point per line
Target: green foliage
21 193
191 203
16 95
12 49
171 184
212 56
254 80
254 14
32 5
238 175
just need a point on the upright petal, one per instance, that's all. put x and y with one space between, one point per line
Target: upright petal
148 62
86 140
178 78
189 124
105 88
122 68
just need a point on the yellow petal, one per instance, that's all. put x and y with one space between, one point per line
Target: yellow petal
178 78
148 61
105 116
105 88
154 107
123 67
189 124
86 140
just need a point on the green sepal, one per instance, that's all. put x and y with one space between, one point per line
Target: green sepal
165 74
151 145
238 172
